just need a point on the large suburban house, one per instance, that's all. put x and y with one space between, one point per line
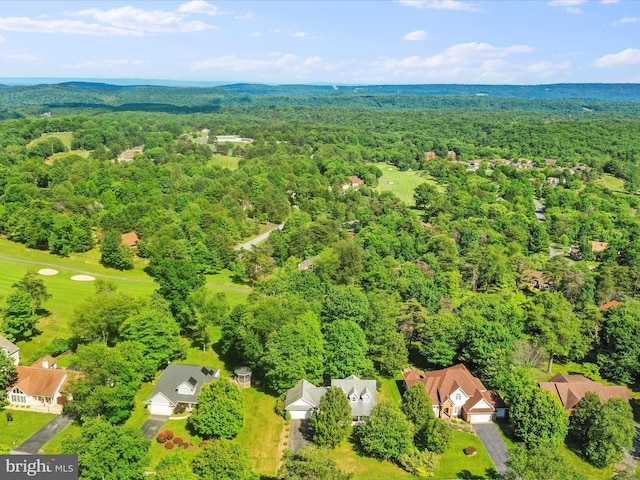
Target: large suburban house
179 386
571 388
10 350
454 392
39 385
303 399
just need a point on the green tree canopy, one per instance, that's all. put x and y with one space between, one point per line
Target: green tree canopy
223 460
330 422
220 410
387 434
17 321
538 463
35 287
108 452
345 349
538 417
310 463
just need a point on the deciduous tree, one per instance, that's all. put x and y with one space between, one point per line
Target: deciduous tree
310 463
223 460
17 321
35 288
220 410
387 434
538 417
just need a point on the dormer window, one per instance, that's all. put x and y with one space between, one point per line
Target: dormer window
458 396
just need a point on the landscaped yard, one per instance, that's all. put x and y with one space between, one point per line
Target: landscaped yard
24 424
455 464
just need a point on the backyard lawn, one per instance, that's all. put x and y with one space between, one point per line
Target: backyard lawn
24 424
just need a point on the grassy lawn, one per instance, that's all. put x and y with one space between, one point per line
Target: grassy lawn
402 184
455 464
24 424
613 183
180 429
224 161
66 294
364 468
260 435
389 390
65 138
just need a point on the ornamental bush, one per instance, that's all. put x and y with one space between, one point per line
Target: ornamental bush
169 445
162 437
177 441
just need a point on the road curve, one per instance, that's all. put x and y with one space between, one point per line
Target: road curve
260 238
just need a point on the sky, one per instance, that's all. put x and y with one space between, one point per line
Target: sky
340 42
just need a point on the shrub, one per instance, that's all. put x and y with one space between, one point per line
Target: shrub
169 434
162 437
470 450
420 464
177 440
169 445
185 444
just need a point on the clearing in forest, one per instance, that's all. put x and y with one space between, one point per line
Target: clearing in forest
401 183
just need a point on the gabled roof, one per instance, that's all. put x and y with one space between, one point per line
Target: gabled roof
572 388
6 344
363 389
42 382
177 374
305 394
599 246
441 384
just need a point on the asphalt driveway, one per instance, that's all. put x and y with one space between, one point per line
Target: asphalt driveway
35 442
299 434
152 425
494 444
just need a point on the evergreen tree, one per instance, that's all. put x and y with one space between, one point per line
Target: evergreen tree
331 421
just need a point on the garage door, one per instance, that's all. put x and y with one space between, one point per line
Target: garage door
160 409
299 415
481 418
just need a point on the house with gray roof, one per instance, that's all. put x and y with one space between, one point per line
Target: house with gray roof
304 397
10 350
361 394
179 385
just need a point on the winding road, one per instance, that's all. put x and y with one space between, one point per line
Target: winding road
260 238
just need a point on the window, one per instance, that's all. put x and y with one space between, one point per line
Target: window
458 396
17 398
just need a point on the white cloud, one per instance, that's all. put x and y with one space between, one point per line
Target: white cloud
25 24
280 64
439 4
300 34
607 2
570 6
256 34
151 21
626 20
105 64
416 36
246 16
630 56
465 63
199 6
22 57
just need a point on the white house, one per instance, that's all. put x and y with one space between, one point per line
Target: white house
38 386
302 399
454 392
10 350
179 385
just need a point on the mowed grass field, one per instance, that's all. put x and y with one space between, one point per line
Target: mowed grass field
67 294
64 137
24 424
224 161
402 184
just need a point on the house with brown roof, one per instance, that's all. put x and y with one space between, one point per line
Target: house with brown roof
37 386
130 239
455 392
608 305
571 388
598 247
354 182
430 155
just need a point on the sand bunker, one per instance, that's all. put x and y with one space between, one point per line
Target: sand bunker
48 272
83 278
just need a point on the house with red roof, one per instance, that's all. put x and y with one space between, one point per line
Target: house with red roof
606 306
571 388
455 392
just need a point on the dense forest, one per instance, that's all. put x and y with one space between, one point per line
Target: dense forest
466 272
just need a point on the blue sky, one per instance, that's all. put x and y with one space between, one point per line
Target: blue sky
339 41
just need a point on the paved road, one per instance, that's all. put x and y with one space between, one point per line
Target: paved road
35 442
299 434
152 425
110 277
494 444
539 210
260 238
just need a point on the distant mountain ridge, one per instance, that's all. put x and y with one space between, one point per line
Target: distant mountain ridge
561 98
